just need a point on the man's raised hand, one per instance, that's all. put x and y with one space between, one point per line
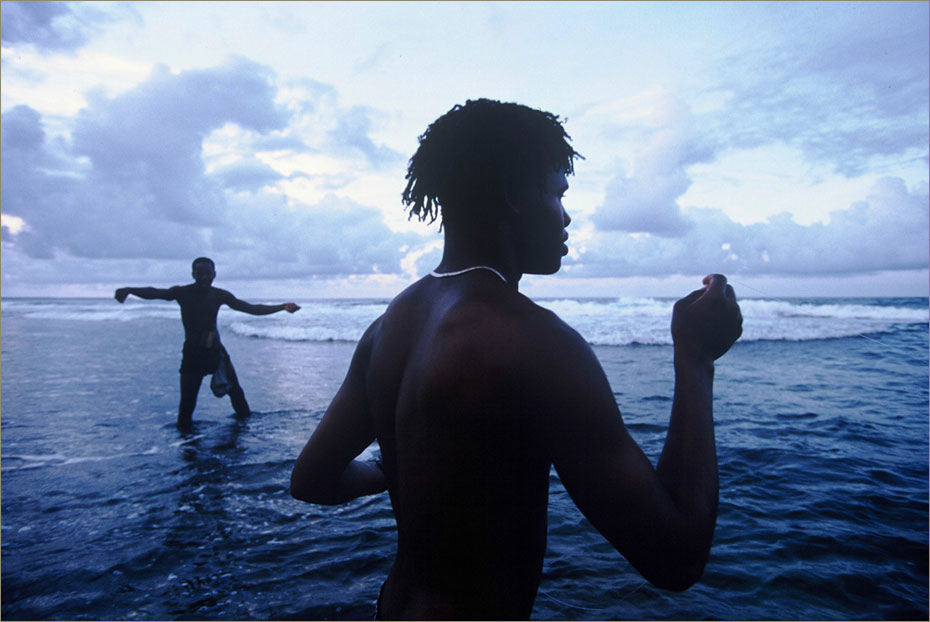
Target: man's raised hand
706 322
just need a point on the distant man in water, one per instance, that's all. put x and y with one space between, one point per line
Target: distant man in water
473 392
203 353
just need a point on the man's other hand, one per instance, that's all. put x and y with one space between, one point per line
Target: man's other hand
121 294
706 322
290 307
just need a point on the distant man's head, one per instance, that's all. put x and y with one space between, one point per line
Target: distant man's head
471 159
203 270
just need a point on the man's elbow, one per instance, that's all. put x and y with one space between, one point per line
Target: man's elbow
306 489
679 573
300 493
678 580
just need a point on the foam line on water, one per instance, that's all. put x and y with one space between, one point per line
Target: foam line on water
601 321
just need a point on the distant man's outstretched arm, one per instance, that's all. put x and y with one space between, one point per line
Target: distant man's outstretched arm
148 293
662 520
245 307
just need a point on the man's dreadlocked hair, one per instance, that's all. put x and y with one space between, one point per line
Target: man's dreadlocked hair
469 156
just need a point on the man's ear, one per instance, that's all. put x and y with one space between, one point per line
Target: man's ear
513 198
520 196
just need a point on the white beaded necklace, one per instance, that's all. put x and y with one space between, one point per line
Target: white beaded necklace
442 275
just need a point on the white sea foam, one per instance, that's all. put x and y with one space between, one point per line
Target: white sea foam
297 333
784 309
16 462
91 310
609 322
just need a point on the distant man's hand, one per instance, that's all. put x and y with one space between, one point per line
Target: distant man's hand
706 322
290 307
121 294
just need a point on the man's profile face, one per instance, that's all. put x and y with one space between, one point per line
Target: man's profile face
541 225
203 272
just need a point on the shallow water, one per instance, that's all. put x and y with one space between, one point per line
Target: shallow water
108 512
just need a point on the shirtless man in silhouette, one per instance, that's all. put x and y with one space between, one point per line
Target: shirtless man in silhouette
203 353
473 392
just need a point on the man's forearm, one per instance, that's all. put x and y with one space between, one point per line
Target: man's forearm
263 309
148 293
269 309
359 479
688 465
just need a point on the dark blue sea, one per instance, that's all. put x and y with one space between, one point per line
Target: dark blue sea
108 512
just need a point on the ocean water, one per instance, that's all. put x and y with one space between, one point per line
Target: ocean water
108 512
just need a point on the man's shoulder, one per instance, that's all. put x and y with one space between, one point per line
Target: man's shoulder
524 347
492 341
544 338
519 315
534 352
504 325
223 294
493 306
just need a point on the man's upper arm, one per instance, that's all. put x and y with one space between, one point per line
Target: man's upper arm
155 293
605 472
234 303
344 431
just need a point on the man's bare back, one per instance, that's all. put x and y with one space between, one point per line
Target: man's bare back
464 452
474 392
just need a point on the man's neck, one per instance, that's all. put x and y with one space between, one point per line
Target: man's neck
484 249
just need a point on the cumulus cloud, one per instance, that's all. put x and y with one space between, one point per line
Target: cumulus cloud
841 108
131 183
843 99
888 230
335 236
321 124
48 26
353 132
646 201
247 174
153 134
67 208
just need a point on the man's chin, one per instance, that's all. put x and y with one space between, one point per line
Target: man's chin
545 270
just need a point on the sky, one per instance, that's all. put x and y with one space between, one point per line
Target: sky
782 144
